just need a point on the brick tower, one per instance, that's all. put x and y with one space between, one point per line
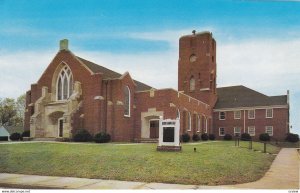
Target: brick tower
197 66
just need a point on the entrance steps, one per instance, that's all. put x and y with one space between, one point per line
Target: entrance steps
148 140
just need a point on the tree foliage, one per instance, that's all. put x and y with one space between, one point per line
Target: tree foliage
12 111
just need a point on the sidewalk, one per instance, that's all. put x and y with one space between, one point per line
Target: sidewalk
283 174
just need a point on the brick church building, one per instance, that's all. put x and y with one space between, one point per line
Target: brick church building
74 93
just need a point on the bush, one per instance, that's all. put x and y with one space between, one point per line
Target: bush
25 134
102 137
185 137
82 135
291 137
204 137
15 137
227 137
211 137
196 137
264 137
245 137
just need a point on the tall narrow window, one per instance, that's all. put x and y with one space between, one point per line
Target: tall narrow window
237 114
192 83
64 85
198 123
221 131
251 114
126 101
189 122
178 114
222 115
269 113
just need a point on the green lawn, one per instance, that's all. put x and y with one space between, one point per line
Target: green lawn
213 163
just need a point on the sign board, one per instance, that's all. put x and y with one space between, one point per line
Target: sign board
169 135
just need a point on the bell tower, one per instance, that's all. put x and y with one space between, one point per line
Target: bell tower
197 66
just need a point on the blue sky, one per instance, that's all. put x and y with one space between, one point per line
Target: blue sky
258 41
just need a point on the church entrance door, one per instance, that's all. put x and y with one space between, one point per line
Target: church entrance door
154 128
60 127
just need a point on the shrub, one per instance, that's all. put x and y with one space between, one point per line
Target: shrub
264 137
204 137
291 137
245 137
196 137
82 135
227 137
102 137
211 137
185 137
15 137
25 134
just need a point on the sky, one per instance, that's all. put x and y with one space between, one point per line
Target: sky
258 42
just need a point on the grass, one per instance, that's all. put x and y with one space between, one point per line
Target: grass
213 163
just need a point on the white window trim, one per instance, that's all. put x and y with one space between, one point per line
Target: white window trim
220 131
253 114
129 103
234 132
205 125
271 127
249 127
235 116
189 122
198 123
220 115
62 82
178 114
267 113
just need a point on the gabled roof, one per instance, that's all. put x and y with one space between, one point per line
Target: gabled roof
241 96
109 74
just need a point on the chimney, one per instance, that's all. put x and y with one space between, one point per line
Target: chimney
64 44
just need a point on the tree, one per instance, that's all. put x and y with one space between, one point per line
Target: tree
11 111
7 111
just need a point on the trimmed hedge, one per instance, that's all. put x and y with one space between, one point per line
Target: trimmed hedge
211 137
227 137
264 137
25 134
185 137
196 137
102 137
204 137
82 135
246 137
15 136
291 137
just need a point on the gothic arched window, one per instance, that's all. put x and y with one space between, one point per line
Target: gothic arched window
126 101
64 86
192 83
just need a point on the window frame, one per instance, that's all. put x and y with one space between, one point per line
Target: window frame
234 131
253 114
234 114
221 115
251 127
271 113
220 131
129 101
269 127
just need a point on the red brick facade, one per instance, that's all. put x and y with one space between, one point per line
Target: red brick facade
101 105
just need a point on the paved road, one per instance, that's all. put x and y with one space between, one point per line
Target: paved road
283 174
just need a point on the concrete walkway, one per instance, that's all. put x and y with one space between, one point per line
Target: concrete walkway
283 174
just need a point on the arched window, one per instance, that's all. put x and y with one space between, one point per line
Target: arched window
192 83
64 86
189 125
178 114
126 101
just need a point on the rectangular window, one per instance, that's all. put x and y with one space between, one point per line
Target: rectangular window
251 130
237 114
221 131
251 114
222 115
269 113
237 131
269 130
205 125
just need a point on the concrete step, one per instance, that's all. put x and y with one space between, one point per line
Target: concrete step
44 139
148 140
